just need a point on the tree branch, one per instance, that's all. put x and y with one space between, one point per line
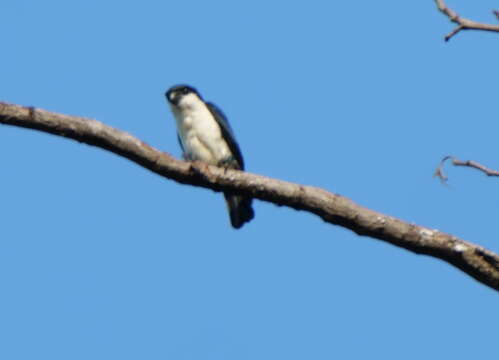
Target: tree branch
474 260
463 23
439 172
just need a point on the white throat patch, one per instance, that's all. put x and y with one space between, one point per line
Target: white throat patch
199 132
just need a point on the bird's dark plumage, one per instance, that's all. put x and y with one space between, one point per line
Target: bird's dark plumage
240 209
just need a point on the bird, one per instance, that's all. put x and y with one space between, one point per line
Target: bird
204 134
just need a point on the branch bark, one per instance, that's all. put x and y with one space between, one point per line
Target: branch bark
439 172
463 23
476 261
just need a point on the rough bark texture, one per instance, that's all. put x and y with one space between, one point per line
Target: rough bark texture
474 260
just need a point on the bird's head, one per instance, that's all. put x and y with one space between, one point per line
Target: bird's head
182 95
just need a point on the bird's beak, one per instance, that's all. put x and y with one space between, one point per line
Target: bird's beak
172 97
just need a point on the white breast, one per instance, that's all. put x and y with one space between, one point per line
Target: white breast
199 132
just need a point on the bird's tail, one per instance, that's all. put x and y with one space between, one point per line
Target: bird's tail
240 210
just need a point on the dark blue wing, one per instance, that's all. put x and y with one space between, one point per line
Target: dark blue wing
180 143
184 154
227 133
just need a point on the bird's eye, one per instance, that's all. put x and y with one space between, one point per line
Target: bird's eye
185 91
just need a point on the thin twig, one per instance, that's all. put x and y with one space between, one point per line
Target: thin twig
439 172
463 23
473 259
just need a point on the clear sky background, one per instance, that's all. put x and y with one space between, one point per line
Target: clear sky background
101 259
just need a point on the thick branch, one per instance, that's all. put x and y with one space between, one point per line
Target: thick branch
474 260
462 23
468 163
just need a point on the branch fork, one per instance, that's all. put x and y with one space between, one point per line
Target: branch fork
463 23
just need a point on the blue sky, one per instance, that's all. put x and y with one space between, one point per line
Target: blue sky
102 259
